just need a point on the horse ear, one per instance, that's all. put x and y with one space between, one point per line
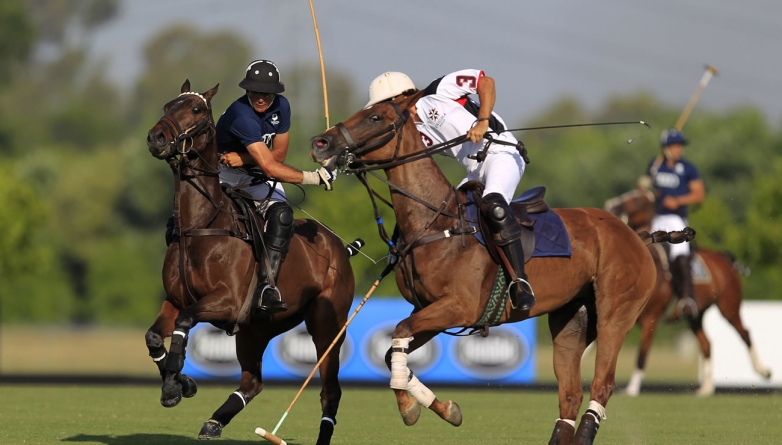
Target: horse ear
211 93
185 86
407 101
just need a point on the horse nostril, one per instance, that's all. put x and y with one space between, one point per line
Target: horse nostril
160 137
320 143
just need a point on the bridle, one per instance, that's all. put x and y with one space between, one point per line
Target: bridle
180 137
349 162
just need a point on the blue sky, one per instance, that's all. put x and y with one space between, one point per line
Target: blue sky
536 51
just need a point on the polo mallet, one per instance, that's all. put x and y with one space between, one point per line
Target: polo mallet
270 436
707 75
322 66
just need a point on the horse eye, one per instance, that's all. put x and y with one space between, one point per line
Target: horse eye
375 118
196 110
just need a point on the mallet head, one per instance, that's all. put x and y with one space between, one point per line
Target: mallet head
269 436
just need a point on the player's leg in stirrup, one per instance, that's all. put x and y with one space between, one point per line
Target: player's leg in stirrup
507 234
277 238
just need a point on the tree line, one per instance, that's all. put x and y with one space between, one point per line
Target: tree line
84 204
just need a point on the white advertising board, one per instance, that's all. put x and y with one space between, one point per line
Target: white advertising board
732 365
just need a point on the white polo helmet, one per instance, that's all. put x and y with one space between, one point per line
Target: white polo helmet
388 85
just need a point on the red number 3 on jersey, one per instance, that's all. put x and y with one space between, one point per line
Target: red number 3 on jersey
470 81
427 141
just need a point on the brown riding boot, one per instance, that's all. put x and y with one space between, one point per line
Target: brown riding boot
683 286
507 234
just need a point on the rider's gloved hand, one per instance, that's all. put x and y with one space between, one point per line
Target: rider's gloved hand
321 176
327 177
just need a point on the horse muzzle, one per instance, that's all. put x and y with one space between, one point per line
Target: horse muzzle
322 151
158 143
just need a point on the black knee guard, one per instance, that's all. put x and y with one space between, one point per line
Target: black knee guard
500 219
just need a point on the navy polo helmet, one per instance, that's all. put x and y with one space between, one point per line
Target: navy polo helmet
262 76
672 136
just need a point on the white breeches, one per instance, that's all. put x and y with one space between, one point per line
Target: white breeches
234 177
500 172
670 223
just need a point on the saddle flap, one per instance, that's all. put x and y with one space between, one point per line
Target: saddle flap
253 219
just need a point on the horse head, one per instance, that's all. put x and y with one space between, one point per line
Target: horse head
636 207
185 119
366 137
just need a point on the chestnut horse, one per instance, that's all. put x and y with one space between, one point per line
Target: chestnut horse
719 283
597 293
209 273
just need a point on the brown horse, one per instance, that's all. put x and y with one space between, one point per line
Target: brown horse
209 273
597 293
718 282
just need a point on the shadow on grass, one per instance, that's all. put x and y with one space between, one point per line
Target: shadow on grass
152 439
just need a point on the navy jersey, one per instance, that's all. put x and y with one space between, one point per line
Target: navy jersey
241 125
672 182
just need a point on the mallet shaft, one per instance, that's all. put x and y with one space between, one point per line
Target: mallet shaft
707 75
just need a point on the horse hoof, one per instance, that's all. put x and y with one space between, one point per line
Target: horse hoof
453 414
189 387
411 414
211 430
170 402
171 395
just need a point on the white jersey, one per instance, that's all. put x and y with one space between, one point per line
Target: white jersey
446 112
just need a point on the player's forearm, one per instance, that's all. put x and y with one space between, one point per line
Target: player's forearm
487 95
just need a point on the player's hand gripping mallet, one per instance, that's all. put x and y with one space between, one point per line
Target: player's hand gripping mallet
270 436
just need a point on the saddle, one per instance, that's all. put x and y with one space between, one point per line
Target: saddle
250 216
528 203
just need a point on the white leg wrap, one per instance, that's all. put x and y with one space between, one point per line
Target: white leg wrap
707 379
328 420
420 392
634 386
599 409
569 422
241 396
399 371
760 368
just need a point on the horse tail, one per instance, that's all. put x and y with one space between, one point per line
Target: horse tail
742 268
674 237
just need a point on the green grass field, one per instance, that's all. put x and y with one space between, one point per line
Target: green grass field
124 415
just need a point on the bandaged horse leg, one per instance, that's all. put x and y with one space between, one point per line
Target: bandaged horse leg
412 394
213 428
569 330
707 378
760 368
590 422
175 384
